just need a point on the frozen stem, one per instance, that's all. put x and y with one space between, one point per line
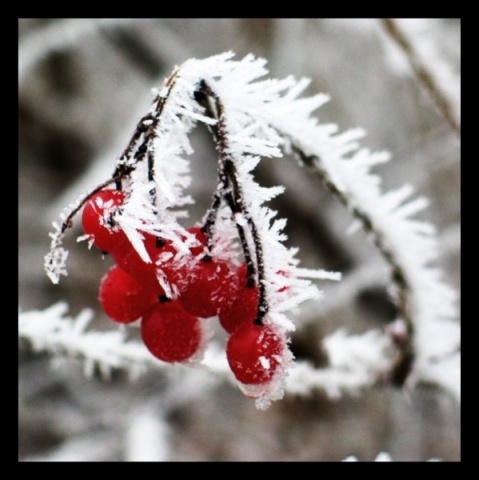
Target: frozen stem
230 189
146 128
401 294
252 119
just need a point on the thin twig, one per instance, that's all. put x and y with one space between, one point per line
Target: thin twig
424 76
68 222
146 127
233 195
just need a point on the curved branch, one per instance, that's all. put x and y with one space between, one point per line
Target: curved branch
252 120
401 296
358 362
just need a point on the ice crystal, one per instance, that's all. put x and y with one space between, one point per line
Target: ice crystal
251 118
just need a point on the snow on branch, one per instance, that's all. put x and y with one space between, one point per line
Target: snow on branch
249 118
52 330
357 362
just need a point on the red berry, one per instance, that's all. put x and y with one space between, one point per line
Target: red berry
176 271
170 333
129 260
123 299
242 306
254 353
163 255
201 237
207 286
97 218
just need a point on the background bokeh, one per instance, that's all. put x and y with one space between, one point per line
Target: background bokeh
83 85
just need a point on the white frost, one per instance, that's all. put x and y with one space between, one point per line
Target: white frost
263 118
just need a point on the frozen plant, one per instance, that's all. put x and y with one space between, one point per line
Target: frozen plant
234 264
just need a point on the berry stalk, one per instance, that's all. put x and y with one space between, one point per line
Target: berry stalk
229 189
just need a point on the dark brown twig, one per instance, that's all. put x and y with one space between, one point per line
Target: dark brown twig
424 76
68 222
231 191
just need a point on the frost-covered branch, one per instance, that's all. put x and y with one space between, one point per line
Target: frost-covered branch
52 330
398 276
407 245
366 276
356 362
251 118
231 189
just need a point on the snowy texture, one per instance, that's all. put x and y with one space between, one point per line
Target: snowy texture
356 362
55 260
54 331
252 118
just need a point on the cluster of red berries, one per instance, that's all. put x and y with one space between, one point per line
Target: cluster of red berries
172 328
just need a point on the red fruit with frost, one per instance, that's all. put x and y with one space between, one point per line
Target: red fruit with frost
170 333
207 286
164 256
242 305
122 298
202 239
164 260
129 260
254 353
97 219
176 270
